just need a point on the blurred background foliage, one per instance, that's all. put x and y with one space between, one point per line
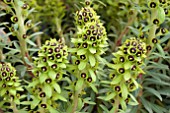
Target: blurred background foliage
122 19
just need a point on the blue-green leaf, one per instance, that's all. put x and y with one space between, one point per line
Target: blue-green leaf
146 105
154 92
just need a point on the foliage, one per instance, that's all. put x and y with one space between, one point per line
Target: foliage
60 56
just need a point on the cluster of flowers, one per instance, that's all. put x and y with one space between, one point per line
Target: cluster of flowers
9 84
125 69
45 90
90 43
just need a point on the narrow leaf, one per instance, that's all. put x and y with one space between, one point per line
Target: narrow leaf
92 60
81 51
48 90
79 84
57 87
82 65
92 74
110 96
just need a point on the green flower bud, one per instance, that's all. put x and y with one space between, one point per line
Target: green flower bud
154 40
121 70
156 21
117 88
83 75
42 94
25 6
14 19
153 4
43 105
166 11
89 79
24 36
148 48
163 30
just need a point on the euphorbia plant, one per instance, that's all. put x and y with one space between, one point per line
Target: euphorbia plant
49 69
69 77
90 44
10 87
126 67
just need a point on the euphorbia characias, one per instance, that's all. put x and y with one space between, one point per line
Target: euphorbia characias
125 69
86 82
90 43
19 11
10 86
48 71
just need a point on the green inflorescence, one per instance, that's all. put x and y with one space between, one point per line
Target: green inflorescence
90 43
9 84
48 72
125 69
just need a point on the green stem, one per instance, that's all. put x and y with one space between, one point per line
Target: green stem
42 110
75 101
126 29
59 30
148 42
1 55
21 31
116 105
14 108
139 101
153 28
1 111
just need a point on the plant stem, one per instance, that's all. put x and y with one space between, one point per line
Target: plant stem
1 111
139 101
38 40
116 105
148 42
13 105
59 30
126 29
1 55
21 32
153 28
75 101
42 110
